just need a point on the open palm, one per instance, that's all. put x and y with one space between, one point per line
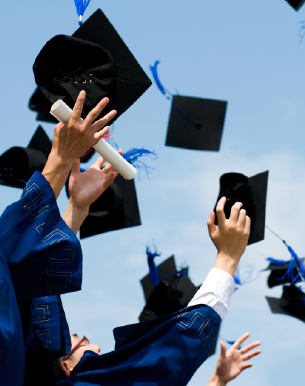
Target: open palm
231 363
86 187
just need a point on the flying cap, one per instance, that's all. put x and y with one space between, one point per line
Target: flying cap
296 4
278 273
94 59
252 192
18 164
173 292
196 123
117 208
291 303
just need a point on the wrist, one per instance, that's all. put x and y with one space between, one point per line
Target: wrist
216 380
226 262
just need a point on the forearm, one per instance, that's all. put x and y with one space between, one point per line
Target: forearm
56 173
215 380
226 263
74 216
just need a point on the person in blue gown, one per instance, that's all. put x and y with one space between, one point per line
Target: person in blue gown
166 350
39 252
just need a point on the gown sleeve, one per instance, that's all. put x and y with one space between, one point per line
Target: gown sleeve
43 254
165 351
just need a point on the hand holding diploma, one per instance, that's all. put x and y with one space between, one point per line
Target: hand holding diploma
73 139
64 114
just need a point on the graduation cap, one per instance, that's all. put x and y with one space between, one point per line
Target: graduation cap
252 193
94 59
18 164
278 273
296 4
291 303
194 123
117 208
173 292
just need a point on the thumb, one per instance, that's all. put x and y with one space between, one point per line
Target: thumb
211 223
223 350
75 167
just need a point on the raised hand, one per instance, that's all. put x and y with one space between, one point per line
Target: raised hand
85 188
232 362
230 237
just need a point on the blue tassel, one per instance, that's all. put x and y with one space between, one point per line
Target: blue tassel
276 262
134 154
302 31
153 270
154 72
295 262
231 342
81 6
245 277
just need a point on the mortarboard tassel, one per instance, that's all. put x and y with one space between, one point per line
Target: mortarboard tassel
276 262
169 96
245 277
133 156
153 270
81 6
295 262
231 342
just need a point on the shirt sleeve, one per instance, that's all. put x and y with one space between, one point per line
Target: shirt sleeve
216 292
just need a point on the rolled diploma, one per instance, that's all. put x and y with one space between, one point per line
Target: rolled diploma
62 113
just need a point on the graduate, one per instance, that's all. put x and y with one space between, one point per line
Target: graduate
39 252
167 350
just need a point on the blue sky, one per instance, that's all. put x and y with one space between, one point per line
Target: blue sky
247 53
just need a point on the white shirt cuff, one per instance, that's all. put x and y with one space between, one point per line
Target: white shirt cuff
216 292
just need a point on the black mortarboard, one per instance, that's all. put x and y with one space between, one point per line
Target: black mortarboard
296 4
41 104
94 59
166 270
196 123
174 291
291 303
252 192
278 274
18 164
115 209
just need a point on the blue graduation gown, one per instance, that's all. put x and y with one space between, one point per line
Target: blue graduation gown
43 254
164 351
39 256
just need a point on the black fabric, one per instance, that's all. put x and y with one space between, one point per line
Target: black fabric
252 193
291 303
168 297
296 4
18 164
166 270
117 208
105 67
196 123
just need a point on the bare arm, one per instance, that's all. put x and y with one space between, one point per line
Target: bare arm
72 140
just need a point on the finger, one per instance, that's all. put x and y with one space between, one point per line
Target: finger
251 346
110 178
248 225
251 355
100 134
211 223
235 212
220 212
95 112
98 125
78 107
246 366
240 340
109 168
223 350
75 167
99 162
241 222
